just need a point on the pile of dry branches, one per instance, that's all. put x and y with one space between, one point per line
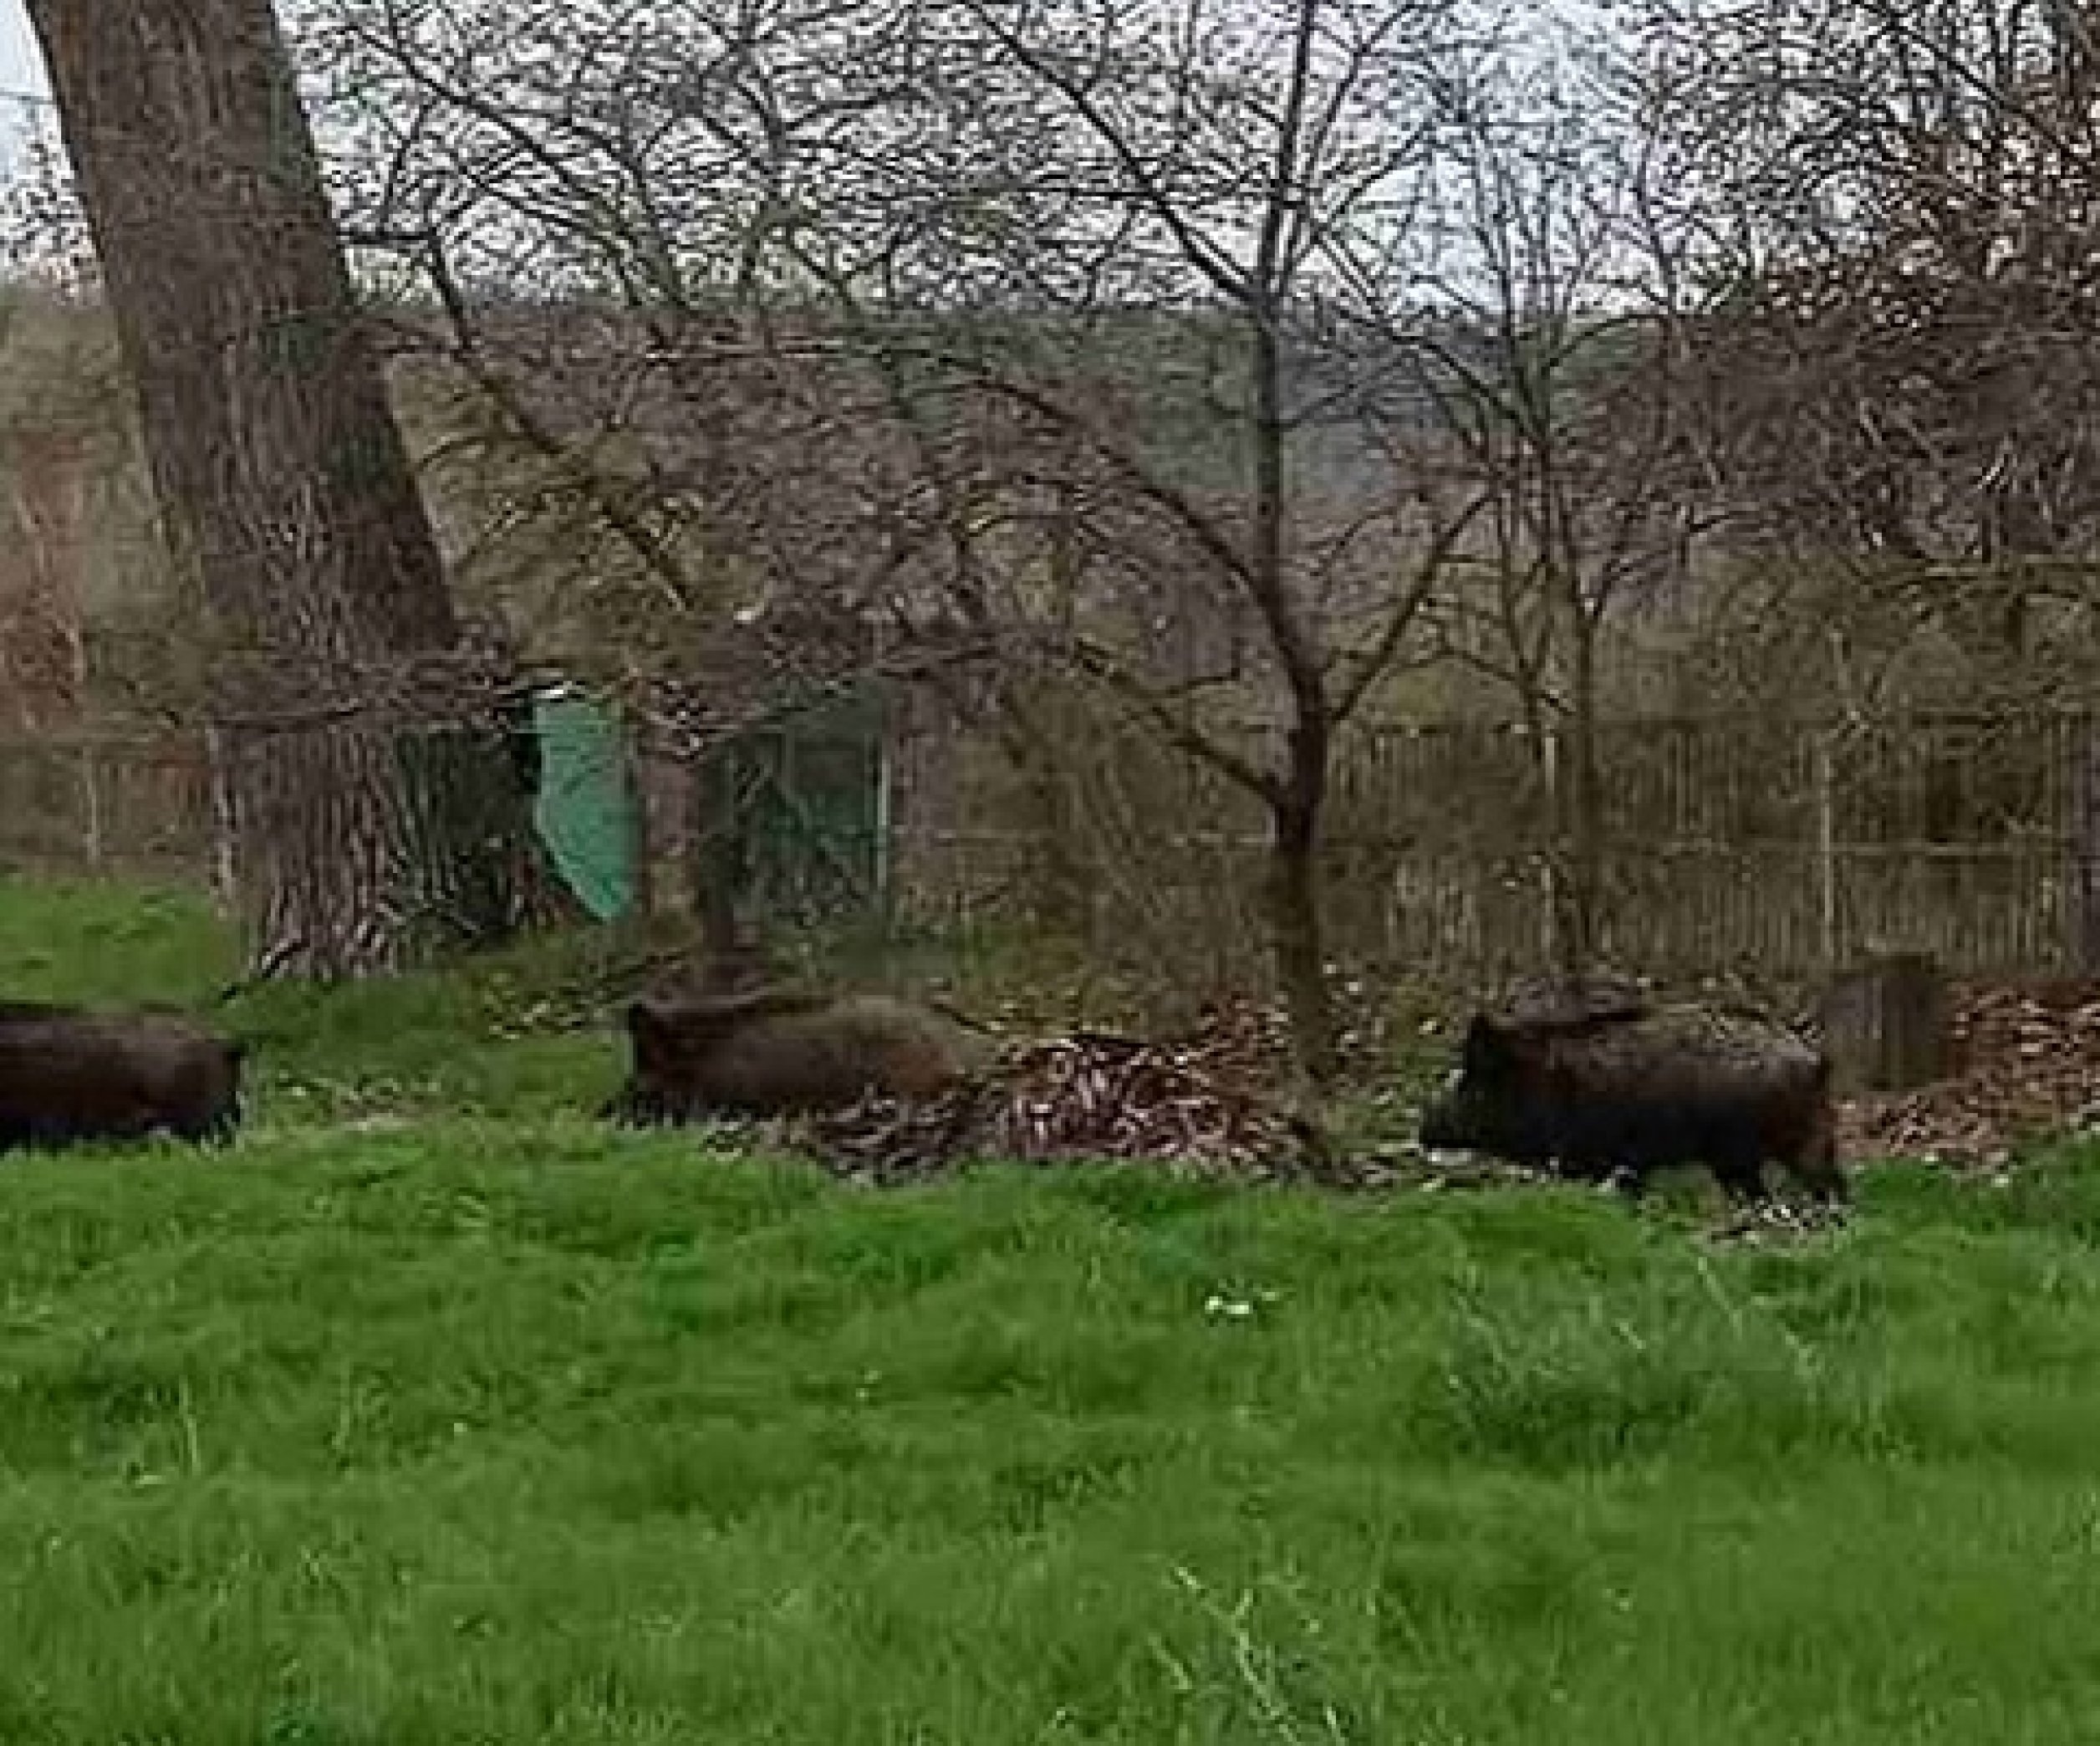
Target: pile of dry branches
2028 1069
1196 1104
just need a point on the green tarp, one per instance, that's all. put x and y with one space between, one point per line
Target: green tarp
584 811
802 801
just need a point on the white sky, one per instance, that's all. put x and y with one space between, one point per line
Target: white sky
21 66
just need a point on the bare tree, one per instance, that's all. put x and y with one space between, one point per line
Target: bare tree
362 838
1555 338
1056 283
1903 363
1899 204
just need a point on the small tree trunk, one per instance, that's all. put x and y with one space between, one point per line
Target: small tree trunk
360 840
1298 801
1296 914
717 838
1300 957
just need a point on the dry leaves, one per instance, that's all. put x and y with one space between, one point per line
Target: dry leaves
1194 1103
2027 1069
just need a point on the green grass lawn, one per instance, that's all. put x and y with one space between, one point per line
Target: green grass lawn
505 1427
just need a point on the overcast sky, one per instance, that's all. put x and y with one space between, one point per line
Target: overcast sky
21 67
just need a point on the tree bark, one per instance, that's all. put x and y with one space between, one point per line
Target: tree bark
374 813
718 851
1297 799
1298 933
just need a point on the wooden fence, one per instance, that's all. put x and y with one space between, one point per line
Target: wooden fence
1730 843
122 805
1735 843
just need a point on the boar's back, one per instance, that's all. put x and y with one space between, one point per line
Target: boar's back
68 1075
1574 1003
1684 1078
1693 1050
787 1054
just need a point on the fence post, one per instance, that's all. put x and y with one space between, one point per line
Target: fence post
2082 908
1549 908
223 871
1826 781
91 800
885 803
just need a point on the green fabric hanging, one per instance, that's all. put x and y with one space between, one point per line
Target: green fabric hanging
585 812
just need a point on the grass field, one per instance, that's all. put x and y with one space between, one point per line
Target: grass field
497 1427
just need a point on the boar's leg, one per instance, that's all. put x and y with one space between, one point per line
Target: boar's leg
217 1128
1742 1177
638 1107
1816 1168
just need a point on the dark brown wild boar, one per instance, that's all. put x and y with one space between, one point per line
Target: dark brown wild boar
69 1076
775 1053
1636 1089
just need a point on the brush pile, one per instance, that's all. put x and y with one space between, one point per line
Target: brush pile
1193 1103
2027 1069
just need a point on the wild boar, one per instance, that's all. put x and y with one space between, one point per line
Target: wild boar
771 1052
69 1076
1641 1090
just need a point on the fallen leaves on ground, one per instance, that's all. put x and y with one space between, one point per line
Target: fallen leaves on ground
1198 1103
2028 1068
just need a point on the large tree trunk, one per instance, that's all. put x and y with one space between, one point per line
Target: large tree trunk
376 815
358 848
